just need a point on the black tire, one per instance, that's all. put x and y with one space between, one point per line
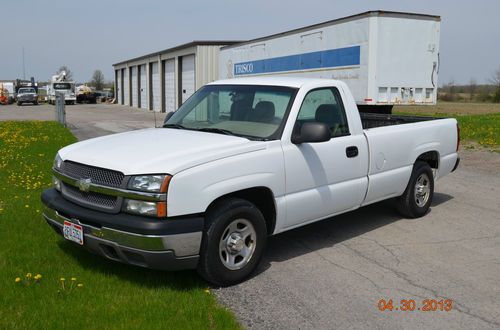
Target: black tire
19 103
217 223
35 103
411 204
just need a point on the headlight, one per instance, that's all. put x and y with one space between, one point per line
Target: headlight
58 162
149 183
153 209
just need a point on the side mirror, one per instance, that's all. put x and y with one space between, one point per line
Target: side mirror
311 132
167 117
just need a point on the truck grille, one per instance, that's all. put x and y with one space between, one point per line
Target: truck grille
97 200
97 175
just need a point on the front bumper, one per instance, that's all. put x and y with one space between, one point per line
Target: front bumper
168 244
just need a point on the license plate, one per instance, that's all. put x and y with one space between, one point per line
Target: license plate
73 232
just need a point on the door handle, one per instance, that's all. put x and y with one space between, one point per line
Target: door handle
351 152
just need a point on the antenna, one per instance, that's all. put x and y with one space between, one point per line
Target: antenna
24 67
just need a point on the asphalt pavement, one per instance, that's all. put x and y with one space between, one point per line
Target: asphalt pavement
333 274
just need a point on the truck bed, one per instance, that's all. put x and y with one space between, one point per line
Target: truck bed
372 120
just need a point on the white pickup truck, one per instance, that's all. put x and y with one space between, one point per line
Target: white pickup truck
238 161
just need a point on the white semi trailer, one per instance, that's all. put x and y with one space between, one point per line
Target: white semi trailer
386 58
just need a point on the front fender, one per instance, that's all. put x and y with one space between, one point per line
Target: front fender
193 190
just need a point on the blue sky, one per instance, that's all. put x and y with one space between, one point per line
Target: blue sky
92 34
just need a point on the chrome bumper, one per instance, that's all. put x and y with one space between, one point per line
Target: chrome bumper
169 252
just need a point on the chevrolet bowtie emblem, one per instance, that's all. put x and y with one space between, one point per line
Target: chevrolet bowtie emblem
84 184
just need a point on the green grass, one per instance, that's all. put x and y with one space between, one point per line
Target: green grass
113 295
483 129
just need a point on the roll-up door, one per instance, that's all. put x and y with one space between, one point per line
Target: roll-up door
144 87
126 87
187 77
169 85
118 92
135 90
155 86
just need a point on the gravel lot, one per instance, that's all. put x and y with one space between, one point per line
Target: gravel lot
332 274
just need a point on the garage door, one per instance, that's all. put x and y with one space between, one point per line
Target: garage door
126 88
118 92
187 77
135 90
169 85
155 85
144 87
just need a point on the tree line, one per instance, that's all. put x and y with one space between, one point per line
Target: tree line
472 92
97 80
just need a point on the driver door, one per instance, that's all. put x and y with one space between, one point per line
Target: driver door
325 178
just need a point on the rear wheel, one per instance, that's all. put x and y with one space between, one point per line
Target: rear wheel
233 242
19 103
417 198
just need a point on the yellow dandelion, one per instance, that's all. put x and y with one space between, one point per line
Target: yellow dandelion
62 279
80 285
26 206
73 278
207 291
29 275
18 279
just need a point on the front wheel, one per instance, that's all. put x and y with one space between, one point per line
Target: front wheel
233 242
417 198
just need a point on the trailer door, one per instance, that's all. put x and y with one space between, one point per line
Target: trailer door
169 84
187 84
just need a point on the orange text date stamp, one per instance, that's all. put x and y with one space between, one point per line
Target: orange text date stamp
410 305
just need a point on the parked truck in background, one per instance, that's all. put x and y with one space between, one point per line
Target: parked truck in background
59 83
240 160
385 58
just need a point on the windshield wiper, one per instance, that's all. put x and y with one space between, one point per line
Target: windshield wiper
178 126
216 130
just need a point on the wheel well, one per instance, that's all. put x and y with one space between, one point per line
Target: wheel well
431 158
263 198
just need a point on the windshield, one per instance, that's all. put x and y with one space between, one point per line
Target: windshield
25 90
62 86
243 110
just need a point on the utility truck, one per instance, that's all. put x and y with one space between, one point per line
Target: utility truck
240 160
59 83
386 58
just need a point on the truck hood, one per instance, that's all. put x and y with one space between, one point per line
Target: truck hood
157 150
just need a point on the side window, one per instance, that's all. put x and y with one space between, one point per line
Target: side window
325 105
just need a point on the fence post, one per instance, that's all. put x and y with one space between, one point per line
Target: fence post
60 108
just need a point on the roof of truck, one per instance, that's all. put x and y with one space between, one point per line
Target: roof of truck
288 81
339 21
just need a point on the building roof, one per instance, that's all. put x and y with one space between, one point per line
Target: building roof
337 21
186 45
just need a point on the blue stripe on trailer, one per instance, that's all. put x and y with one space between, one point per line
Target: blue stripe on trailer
316 60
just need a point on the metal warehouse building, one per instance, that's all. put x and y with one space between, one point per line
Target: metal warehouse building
163 80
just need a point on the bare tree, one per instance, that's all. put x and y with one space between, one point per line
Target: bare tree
472 88
495 78
65 68
97 80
